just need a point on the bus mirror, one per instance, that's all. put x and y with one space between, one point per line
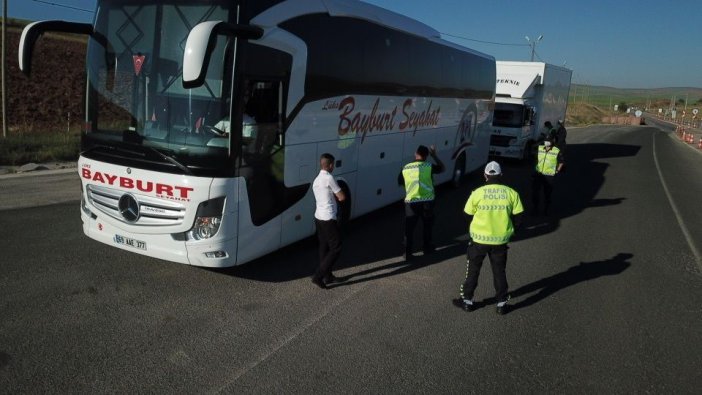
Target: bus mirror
34 30
201 42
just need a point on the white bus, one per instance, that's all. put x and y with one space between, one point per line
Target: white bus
205 120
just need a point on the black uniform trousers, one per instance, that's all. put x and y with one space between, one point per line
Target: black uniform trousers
329 238
498 260
541 183
414 212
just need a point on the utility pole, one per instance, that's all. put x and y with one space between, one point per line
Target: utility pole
532 43
2 73
587 92
686 101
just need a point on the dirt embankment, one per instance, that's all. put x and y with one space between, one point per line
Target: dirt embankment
55 88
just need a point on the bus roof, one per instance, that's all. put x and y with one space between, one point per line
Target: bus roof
356 9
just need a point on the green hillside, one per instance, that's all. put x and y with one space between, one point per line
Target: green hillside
603 96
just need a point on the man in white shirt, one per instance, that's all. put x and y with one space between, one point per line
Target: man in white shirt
326 193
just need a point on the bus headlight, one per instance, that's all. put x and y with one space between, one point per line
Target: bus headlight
205 227
207 220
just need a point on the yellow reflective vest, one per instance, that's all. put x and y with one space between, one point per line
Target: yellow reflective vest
419 186
547 161
492 207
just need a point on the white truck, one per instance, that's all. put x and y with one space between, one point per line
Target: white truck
527 94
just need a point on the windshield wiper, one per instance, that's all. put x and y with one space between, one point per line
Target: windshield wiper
171 160
112 148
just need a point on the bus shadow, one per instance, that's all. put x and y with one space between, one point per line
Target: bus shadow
377 238
374 238
401 266
582 272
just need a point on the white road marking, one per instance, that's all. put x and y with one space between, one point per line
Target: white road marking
683 227
287 339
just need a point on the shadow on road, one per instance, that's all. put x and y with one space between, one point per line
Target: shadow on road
377 237
575 189
582 272
401 266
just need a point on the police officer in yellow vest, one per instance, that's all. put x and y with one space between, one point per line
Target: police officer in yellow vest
494 211
419 199
549 162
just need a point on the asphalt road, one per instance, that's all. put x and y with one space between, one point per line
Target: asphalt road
606 297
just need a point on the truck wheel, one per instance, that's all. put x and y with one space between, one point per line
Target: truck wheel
458 171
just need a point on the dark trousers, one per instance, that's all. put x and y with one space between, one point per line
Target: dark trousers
498 260
414 212
329 238
541 183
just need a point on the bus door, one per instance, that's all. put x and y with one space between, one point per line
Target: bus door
261 166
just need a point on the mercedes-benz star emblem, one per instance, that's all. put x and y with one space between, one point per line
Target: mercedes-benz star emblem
128 207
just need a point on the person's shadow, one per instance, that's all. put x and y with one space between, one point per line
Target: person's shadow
584 271
401 266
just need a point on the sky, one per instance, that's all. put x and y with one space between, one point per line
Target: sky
637 44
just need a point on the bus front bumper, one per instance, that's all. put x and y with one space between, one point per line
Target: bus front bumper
215 254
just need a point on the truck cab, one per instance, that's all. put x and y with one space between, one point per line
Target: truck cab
527 95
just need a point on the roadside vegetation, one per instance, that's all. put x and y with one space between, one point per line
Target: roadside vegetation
44 112
17 149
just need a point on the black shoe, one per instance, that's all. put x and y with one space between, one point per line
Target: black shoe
409 256
331 279
429 250
462 304
318 282
502 310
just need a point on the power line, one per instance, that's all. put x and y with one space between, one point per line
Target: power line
538 57
63 6
484 42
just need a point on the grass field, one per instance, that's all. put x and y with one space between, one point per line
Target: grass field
605 97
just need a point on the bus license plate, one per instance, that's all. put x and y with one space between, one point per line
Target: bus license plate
130 242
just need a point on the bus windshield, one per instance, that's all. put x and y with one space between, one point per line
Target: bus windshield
138 112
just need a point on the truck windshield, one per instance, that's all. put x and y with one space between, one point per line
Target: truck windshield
508 115
138 112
